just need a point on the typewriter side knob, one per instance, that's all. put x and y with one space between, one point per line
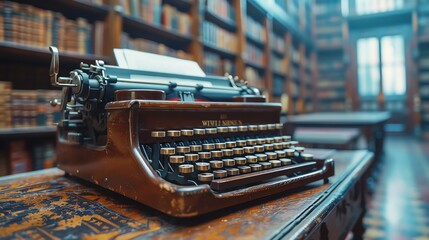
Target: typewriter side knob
250 98
130 94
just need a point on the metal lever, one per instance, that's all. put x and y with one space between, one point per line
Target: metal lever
53 71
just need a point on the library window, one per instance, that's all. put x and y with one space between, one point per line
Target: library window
375 6
381 60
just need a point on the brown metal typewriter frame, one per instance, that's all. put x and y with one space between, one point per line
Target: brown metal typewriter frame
121 167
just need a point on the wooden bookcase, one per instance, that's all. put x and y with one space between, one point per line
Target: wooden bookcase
330 34
421 29
266 43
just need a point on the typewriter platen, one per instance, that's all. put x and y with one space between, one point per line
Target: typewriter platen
184 145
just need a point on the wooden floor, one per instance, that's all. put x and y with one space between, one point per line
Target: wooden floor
399 208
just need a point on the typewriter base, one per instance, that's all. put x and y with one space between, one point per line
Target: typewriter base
120 167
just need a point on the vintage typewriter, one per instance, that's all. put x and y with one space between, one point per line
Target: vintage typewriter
185 145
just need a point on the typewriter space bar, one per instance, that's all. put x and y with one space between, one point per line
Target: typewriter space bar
249 178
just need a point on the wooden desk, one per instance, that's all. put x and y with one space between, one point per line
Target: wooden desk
50 205
370 123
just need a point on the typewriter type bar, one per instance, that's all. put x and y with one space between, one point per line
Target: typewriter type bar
178 146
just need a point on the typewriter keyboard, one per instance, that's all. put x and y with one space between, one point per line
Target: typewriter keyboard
225 157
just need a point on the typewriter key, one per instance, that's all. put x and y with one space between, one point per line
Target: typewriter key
271 127
157 134
205 177
280 154
299 149
294 143
233 129
255 167
186 168
196 148
260 141
204 155
202 166
220 173
238 151
211 130
232 171
174 159
266 165
278 139
183 149
191 157
278 146
245 169
268 147
279 126
290 152
262 127
231 144
251 142
243 128
240 161
249 150
187 132
199 131
215 164
208 146
222 129
217 154
271 155
251 159
286 138
241 143
167 151
253 128
286 145
307 156
228 162
259 148
276 163
261 157
227 152
285 161
173 133
220 145
269 140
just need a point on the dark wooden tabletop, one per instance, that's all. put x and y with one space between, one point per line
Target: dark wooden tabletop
50 205
339 118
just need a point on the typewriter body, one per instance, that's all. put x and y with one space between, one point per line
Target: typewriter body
184 145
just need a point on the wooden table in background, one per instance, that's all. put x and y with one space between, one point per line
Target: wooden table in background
49 205
370 123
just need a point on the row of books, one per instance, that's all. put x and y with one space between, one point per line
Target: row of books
322 31
215 65
329 41
332 106
255 55
278 43
295 56
157 13
294 89
145 45
221 8
279 65
330 64
254 78
20 156
328 8
255 29
294 73
424 91
28 25
5 111
278 86
28 108
219 37
329 94
330 84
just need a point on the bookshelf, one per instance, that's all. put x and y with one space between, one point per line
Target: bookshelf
422 42
330 35
252 39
